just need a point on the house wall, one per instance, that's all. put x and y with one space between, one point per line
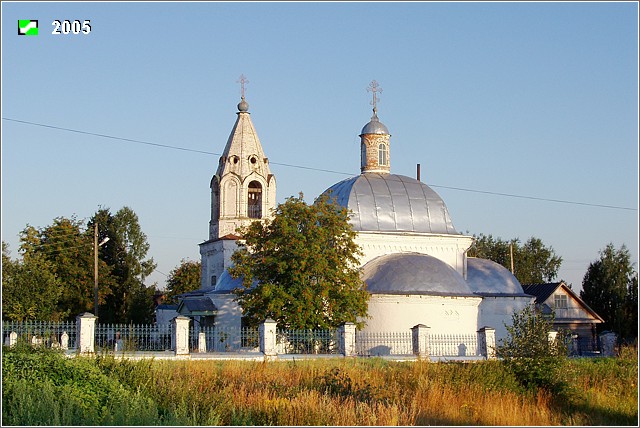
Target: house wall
574 310
398 313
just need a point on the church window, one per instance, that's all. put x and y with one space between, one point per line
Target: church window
253 160
383 155
254 208
561 301
213 280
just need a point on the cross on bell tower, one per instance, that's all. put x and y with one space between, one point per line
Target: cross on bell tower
243 81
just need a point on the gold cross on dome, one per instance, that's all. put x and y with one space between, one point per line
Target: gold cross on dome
243 80
373 88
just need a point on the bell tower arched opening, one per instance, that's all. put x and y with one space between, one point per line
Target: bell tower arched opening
254 199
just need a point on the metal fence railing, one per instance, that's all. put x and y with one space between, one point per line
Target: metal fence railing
229 339
584 346
453 345
45 333
293 341
133 337
384 343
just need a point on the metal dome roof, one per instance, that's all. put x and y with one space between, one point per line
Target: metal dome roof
390 202
488 278
413 273
375 127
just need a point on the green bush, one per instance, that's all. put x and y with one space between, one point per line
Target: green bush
43 387
528 353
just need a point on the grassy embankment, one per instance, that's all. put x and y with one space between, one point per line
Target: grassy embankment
45 388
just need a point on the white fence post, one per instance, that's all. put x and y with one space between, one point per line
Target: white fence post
86 326
181 334
268 338
13 339
487 339
420 340
347 338
202 342
64 341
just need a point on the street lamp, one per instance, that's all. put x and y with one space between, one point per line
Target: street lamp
95 266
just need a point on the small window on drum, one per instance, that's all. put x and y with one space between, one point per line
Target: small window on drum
254 198
383 155
213 280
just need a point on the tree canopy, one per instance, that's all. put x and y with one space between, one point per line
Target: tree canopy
57 270
610 287
35 274
125 252
300 268
185 277
534 263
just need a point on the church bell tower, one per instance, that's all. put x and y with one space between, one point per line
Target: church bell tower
374 140
243 190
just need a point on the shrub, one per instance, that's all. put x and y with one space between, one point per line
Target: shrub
528 353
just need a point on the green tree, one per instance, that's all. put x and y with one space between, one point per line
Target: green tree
30 290
534 263
68 249
528 353
183 278
610 287
304 263
125 252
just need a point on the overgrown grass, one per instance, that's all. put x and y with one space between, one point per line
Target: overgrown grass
45 388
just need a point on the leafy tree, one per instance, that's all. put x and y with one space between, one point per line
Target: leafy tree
610 287
30 290
67 250
183 278
125 252
528 353
533 262
304 263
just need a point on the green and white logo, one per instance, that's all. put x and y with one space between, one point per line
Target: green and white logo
27 27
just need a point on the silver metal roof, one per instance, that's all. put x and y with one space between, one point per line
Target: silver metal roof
226 283
391 202
486 277
375 127
413 273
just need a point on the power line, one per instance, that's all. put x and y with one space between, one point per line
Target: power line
166 146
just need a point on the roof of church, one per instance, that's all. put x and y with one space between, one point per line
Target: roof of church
413 273
226 284
488 278
391 202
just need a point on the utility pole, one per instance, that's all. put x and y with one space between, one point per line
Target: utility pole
511 251
95 268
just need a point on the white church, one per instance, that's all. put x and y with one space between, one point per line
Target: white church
414 261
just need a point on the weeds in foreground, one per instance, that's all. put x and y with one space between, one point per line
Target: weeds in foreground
46 388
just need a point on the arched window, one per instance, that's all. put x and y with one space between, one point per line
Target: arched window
254 206
383 155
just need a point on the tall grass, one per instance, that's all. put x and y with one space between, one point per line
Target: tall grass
307 392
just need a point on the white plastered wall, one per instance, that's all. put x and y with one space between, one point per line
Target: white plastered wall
443 314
